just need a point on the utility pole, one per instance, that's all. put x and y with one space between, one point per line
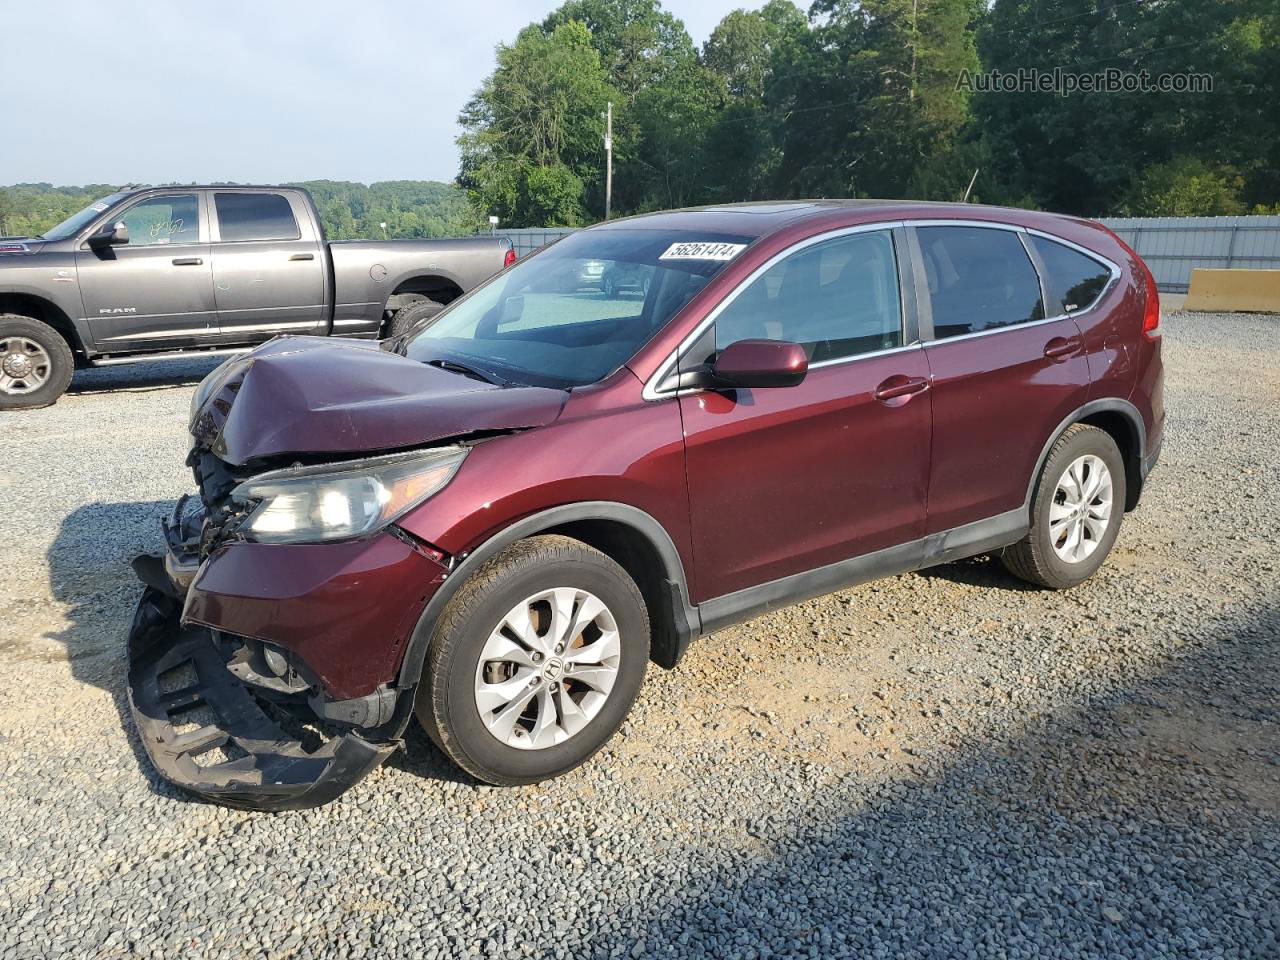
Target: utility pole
608 154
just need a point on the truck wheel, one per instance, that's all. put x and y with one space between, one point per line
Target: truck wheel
35 363
414 315
536 662
1075 516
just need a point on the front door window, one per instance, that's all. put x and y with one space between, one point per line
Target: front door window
164 220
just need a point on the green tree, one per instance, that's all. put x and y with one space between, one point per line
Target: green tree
872 98
742 149
1081 153
639 43
1186 187
533 129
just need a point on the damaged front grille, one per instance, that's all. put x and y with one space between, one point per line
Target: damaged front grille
215 517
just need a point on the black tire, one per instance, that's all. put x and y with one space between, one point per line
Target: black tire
413 315
57 364
446 699
1033 558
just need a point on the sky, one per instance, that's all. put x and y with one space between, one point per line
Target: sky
265 91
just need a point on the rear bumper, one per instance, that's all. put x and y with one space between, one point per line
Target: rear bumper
206 732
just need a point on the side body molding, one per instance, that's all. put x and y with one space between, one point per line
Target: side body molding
684 615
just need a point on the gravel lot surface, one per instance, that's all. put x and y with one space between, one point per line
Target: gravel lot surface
947 764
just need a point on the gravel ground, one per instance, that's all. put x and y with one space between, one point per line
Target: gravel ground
946 764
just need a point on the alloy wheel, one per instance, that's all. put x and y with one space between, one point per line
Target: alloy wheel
1081 509
24 366
547 668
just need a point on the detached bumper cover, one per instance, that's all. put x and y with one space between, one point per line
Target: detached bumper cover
206 733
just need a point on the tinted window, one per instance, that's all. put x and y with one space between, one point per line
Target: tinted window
579 309
979 279
174 219
837 299
1074 280
255 216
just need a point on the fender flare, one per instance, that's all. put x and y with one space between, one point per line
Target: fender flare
1101 405
687 622
81 335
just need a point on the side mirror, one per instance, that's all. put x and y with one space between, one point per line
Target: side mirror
109 235
512 309
760 363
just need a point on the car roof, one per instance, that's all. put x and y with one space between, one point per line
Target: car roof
762 218
210 186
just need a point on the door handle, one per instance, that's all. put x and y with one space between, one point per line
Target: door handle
303 256
899 387
1060 347
187 261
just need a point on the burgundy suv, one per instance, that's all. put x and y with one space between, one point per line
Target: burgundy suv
497 521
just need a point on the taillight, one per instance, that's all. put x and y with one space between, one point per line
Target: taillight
1151 312
509 259
1151 309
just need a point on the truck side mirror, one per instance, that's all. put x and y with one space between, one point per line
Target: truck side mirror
109 235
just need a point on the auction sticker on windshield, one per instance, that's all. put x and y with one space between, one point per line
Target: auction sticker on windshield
702 250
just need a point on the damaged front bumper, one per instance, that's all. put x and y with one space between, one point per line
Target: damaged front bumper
241 717
207 733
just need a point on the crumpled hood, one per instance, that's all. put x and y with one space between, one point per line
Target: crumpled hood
315 395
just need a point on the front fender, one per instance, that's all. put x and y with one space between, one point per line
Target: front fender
685 615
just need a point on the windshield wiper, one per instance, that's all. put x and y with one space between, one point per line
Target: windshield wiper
454 367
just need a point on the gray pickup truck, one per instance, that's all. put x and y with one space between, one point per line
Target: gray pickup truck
171 272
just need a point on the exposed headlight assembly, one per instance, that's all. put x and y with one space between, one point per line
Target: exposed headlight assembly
338 501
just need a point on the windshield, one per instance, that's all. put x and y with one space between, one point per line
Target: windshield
578 310
78 221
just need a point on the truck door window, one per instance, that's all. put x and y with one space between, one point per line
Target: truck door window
255 216
168 219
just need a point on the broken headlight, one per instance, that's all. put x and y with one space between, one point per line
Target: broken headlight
339 501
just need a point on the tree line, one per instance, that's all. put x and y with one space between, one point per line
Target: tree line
853 98
875 98
409 208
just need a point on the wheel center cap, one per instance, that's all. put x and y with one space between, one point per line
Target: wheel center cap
553 670
16 365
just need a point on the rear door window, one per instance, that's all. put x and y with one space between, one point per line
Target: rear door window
979 279
838 298
255 216
1073 280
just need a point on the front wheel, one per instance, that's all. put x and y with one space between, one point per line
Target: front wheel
536 662
1076 514
35 363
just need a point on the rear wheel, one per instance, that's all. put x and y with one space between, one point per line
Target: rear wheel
35 363
536 662
414 315
1076 515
